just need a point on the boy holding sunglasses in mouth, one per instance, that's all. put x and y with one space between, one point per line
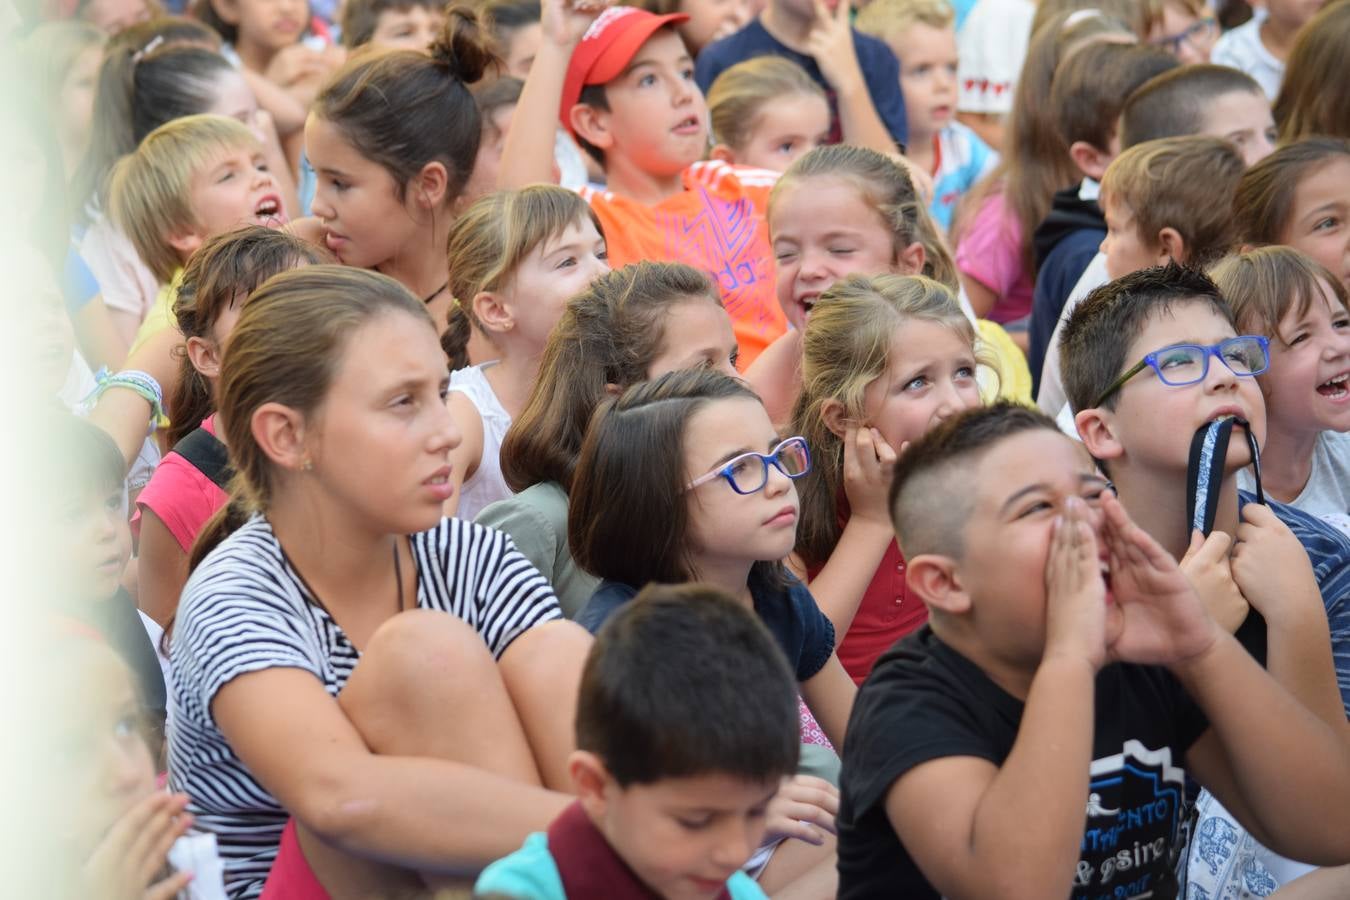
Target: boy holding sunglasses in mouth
1148 359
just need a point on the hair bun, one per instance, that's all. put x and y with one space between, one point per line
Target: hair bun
462 47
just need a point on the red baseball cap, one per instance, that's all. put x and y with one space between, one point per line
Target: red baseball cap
607 48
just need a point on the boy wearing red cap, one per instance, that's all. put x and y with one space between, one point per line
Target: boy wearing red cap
623 84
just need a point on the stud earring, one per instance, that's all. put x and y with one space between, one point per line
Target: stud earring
307 465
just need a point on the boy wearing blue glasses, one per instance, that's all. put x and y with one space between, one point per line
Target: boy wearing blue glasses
1148 360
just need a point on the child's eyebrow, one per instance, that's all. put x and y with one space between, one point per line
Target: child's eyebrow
1325 207
1083 478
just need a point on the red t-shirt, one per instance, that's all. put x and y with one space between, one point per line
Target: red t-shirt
717 225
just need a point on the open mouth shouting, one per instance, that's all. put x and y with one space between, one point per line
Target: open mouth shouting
268 211
1337 388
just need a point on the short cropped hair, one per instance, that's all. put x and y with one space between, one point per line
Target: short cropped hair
1090 88
360 18
1185 183
1102 328
886 19
149 196
1176 102
931 497
683 681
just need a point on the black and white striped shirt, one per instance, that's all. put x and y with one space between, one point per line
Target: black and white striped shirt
245 609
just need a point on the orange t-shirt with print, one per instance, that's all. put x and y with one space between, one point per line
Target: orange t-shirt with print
716 225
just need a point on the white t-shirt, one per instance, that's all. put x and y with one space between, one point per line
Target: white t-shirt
992 47
486 485
1327 493
245 609
1242 49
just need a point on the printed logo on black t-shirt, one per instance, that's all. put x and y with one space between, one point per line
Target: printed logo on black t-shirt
1134 808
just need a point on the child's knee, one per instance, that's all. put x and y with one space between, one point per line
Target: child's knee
422 643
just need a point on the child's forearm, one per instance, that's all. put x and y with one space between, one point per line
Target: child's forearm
841 583
859 121
527 157
1300 809
1298 656
287 112
1047 770
1324 884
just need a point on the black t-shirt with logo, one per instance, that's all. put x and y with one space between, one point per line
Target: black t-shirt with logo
924 701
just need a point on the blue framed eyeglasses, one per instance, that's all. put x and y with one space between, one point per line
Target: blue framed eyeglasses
749 472
1181 364
1201 30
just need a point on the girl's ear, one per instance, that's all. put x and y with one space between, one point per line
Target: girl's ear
492 312
590 778
936 579
835 417
204 356
910 260
432 184
280 433
1171 246
722 152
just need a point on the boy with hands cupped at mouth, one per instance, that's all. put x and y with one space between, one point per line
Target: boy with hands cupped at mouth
1069 667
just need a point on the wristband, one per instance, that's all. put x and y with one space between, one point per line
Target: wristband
141 383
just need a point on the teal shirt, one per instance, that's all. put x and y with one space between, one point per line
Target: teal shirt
531 874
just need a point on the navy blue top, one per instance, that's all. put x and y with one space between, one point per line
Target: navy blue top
1055 281
879 66
790 613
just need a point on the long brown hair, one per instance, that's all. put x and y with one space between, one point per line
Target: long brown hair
226 268
1036 162
607 339
1266 284
1308 102
846 347
1265 195
887 188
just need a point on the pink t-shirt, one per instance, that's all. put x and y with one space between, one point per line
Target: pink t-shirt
181 496
990 251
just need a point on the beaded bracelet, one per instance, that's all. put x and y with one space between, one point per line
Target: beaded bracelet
143 384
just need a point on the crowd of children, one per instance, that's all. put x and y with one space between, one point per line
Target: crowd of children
702 448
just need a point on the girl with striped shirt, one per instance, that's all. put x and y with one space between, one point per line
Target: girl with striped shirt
400 685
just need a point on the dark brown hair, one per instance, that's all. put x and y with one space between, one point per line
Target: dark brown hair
628 520
1100 331
607 339
226 269
1265 195
404 109
1309 103
360 18
1178 101
1093 84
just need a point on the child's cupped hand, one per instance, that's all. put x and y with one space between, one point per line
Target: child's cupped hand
1157 617
804 808
830 43
565 21
1075 605
1270 566
129 863
868 465
1206 567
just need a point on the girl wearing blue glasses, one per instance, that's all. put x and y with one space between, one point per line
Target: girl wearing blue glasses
685 479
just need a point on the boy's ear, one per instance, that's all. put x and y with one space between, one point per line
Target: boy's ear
722 153
1096 428
1172 244
910 260
280 433
835 417
186 243
1091 161
592 124
204 356
492 312
935 579
590 777
432 184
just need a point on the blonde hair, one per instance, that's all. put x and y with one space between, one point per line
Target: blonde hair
886 187
886 19
149 196
739 95
490 241
1264 285
1185 183
846 347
